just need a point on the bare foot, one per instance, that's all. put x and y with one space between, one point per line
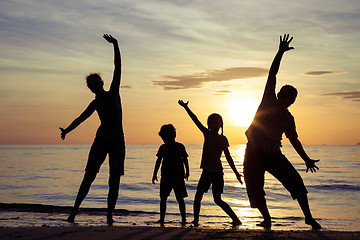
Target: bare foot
110 221
314 224
72 215
183 223
236 223
195 223
265 224
162 223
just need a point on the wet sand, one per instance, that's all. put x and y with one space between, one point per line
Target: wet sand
103 233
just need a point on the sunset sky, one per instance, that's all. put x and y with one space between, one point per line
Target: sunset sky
215 54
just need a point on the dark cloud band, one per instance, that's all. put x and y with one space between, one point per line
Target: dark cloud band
175 82
320 73
354 96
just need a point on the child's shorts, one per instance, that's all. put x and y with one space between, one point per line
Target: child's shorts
168 184
214 178
98 152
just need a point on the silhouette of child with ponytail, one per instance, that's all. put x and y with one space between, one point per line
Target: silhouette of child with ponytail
212 174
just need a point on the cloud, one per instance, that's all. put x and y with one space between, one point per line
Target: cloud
320 73
222 92
127 87
354 96
175 82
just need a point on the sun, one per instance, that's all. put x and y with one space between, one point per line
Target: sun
242 111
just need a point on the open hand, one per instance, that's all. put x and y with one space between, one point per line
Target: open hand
110 38
63 133
284 43
310 165
182 103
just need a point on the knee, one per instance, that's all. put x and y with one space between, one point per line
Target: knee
89 177
198 197
114 181
218 201
114 184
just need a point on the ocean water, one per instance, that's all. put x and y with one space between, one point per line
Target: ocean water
39 183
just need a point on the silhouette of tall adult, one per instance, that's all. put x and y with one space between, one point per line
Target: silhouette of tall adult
263 153
109 138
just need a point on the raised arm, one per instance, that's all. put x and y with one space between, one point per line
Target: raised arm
310 163
274 69
115 84
83 116
193 116
232 164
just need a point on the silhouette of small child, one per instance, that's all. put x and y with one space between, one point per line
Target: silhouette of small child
212 174
172 157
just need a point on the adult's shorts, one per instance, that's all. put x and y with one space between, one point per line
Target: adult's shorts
100 149
257 162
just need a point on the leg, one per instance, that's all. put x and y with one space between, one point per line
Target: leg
197 205
116 166
202 187
217 190
304 205
163 200
114 183
285 172
266 215
88 179
254 172
180 194
166 186
182 209
224 206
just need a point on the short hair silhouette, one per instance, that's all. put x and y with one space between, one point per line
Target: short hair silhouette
167 130
94 82
288 92
93 78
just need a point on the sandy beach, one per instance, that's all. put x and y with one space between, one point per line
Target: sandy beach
118 233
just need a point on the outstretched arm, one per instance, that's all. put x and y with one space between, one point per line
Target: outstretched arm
156 169
192 116
274 69
310 163
83 116
115 84
232 164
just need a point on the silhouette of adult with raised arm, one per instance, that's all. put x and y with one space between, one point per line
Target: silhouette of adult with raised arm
109 136
263 153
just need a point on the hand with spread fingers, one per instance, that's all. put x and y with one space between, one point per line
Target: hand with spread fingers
284 43
310 165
